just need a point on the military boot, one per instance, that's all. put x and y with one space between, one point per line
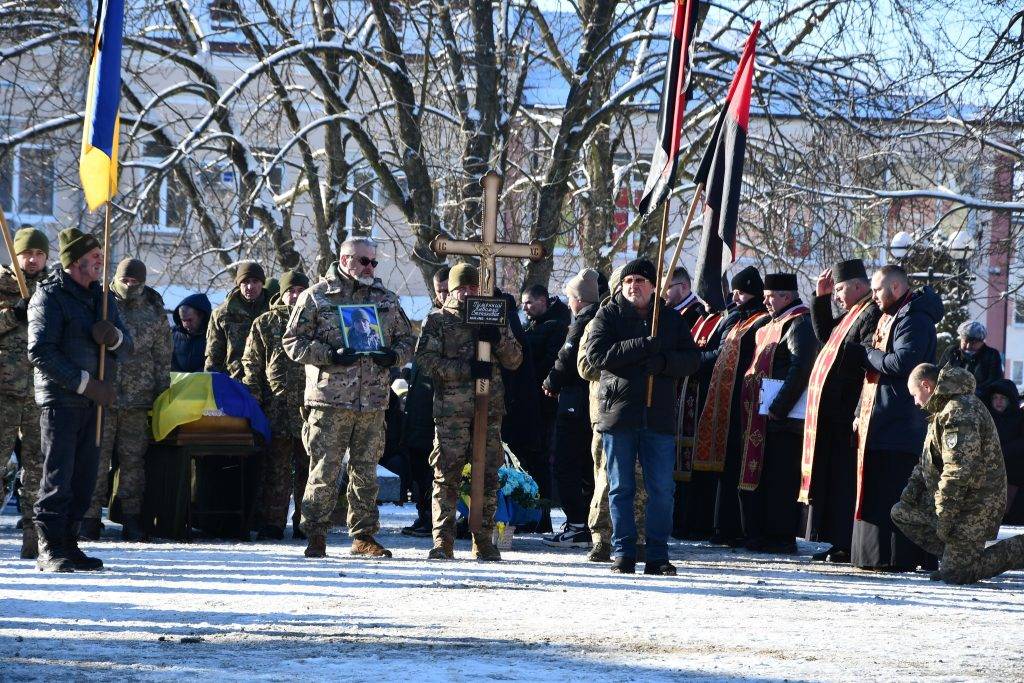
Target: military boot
483 548
52 555
442 550
601 552
81 561
317 546
29 543
367 545
131 530
91 528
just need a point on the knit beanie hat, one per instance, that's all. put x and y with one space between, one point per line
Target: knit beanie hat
293 278
248 269
74 244
585 286
131 267
463 275
642 267
31 238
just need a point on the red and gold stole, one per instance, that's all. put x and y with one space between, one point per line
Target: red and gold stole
867 398
768 338
686 426
713 426
819 375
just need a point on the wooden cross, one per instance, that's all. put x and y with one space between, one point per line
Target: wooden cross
488 249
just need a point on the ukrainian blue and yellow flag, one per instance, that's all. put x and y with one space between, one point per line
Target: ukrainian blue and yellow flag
97 166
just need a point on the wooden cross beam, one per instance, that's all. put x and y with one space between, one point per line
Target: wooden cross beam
488 249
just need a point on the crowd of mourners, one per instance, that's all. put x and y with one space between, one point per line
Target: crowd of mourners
751 426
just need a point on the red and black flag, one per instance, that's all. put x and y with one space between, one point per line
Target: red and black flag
721 172
674 93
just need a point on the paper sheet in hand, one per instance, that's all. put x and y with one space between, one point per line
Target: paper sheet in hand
770 388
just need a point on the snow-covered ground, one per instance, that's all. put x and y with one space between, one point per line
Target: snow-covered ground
227 611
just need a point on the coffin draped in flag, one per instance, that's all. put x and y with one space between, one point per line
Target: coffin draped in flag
721 173
97 165
674 93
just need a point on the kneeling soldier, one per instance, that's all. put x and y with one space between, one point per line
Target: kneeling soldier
447 352
956 495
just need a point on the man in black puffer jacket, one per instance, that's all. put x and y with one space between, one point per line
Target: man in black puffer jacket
574 466
65 331
622 347
972 353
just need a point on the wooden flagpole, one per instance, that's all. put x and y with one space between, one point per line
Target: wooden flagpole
105 311
22 285
665 276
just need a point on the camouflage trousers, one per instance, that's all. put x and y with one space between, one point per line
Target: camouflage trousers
453 449
327 433
963 559
125 430
283 455
19 418
600 519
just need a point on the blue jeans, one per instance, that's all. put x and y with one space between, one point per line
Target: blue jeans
657 459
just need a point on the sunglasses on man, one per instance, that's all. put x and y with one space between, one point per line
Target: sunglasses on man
363 261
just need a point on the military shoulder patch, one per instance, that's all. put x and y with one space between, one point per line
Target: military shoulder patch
950 438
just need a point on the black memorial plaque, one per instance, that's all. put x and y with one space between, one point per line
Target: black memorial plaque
486 310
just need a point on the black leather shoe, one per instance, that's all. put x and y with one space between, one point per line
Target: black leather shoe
623 565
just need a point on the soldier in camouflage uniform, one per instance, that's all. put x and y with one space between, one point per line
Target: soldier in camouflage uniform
142 377
447 352
346 395
231 321
19 414
277 382
956 496
600 519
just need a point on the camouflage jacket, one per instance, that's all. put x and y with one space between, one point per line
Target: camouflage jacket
274 379
591 374
314 331
444 351
15 370
146 373
228 329
961 466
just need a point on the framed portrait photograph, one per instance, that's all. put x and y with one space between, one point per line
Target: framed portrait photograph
360 327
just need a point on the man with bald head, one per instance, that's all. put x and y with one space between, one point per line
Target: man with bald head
890 428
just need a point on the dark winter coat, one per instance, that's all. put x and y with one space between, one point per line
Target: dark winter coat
896 423
792 363
692 313
60 345
564 378
619 346
520 428
842 390
986 365
418 424
545 336
190 349
1010 425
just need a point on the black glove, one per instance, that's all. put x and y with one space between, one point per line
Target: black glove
480 369
489 333
101 393
652 345
345 357
105 333
656 364
384 358
20 310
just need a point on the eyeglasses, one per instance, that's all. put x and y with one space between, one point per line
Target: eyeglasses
363 261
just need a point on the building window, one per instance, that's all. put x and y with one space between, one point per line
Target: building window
166 209
223 16
1017 372
1018 311
363 207
26 183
